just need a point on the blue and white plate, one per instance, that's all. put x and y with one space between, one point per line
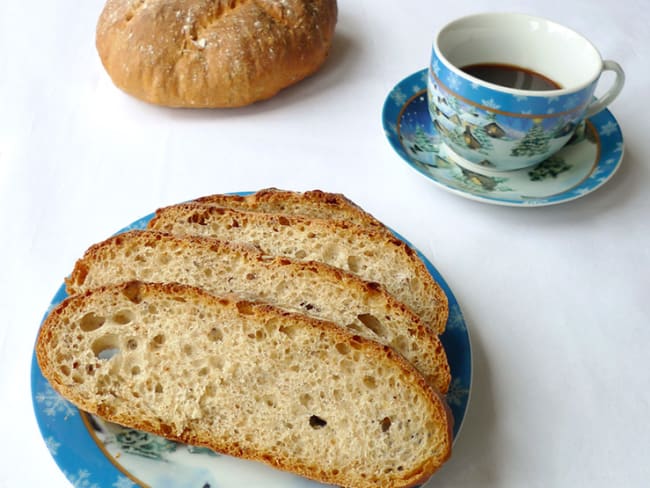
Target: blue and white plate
96 454
586 163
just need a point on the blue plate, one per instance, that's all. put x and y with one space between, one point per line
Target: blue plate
93 453
586 163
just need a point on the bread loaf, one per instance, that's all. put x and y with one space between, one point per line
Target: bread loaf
315 203
248 380
312 288
212 53
372 255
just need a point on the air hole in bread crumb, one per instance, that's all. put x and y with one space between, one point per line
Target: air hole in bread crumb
123 317
132 344
187 350
305 400
90 322
159 388
133 292
164 259
283 220
370 382
203 371
315 422
157 341
152 310
215 334
135 370
65 370
342 348
373 323
400 343
250 276
288 330
353 264
245 308
301 254
105 347
385 424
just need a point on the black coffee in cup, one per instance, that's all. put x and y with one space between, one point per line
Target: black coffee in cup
511 76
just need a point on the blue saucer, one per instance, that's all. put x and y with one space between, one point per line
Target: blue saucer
585 164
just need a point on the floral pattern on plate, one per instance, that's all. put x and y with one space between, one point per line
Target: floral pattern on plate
584 164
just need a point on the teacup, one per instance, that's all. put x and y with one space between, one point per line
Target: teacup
506 91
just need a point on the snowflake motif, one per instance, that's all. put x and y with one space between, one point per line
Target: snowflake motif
398 97
392 127
81 479
570 103
599 171
424 78
527 112
491 103
54 403
453 82
609 128
535 202
610 161
455 320
551 100
474 86
138 224
52 445
123 482
457 393
583 191
550 111
436 67
619 147
602 179
521 98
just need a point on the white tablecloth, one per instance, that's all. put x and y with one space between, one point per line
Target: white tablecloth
556 298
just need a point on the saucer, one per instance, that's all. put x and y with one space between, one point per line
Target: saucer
583 165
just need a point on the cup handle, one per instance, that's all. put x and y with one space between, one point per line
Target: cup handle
612 93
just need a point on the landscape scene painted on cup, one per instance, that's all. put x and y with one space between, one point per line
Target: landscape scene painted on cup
423 144
479 132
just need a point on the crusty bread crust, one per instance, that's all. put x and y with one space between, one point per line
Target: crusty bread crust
225 267
122 389
212 53
372 255
314 203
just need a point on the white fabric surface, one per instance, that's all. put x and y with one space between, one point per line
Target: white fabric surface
556 298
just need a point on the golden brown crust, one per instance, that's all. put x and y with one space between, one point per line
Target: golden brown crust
212 53
313 203
60 322
433 310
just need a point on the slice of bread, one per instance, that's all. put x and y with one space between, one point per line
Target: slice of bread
308 287
372 255
315 204
246 379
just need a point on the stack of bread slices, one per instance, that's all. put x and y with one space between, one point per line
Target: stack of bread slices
290 328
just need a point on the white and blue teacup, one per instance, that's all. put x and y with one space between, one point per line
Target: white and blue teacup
502 127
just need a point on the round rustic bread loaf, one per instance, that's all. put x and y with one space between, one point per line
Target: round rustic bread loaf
212 53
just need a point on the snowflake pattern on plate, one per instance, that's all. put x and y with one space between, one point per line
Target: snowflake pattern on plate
93 453
590 158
